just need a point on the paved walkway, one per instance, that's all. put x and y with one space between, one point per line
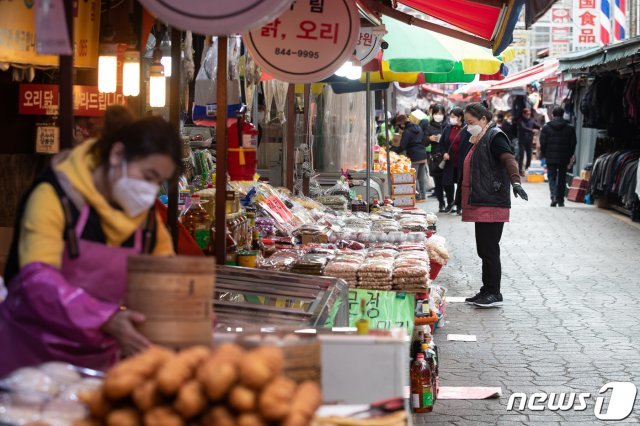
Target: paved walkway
571 318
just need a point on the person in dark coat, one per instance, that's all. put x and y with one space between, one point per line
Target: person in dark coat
431 140
412 144
557 145
526 127
454 137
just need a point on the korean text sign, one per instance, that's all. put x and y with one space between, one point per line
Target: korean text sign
308 42
43 99
383 309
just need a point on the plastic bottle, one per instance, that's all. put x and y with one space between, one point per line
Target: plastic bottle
198 222
417 340
375 206
431 359
421 386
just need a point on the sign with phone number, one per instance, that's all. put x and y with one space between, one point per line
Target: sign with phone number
383 309
308 42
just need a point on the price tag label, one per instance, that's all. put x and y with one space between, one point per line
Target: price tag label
383 309
216 17
308 42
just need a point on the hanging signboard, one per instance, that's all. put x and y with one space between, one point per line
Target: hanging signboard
18 34
560 31
51 28
383 309
307 43
43 99
216 17
587 19
369 41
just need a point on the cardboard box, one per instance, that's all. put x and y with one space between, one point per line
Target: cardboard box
403 189
397 178
577 182
404 200
585 174
314 238
576 194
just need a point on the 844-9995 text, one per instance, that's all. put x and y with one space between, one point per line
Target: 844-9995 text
299 53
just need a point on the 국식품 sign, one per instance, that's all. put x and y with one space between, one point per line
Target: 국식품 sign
43 99
216 17
308 42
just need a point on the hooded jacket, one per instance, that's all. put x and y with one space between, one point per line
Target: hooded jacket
412 143
557 141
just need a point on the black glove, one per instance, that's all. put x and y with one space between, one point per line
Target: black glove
519 191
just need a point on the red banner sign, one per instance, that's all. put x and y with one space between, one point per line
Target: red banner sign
43 99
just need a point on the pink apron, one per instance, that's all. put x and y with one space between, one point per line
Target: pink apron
48 317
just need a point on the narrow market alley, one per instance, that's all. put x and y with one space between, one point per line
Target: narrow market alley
570 320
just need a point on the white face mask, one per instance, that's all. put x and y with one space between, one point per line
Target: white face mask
134 195
474 129
453 121
438 118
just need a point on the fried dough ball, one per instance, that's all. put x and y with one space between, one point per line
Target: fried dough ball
191 399
145 363
118 386
275 400
87 422
273 356
162 416
243 399
229 352
250 419
146 396
123 417
96 402
173 374
195 355
219 416
217 378
256 369
304 405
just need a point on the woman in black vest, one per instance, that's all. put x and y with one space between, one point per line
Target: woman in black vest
489 170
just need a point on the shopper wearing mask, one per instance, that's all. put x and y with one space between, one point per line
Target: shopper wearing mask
411 143
453 143
66 273
432 140
489 170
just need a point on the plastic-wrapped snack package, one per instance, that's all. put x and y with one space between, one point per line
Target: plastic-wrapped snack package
281 260
436 247
384 253
414 255
412 247
340 188
350 244
437 298
432 219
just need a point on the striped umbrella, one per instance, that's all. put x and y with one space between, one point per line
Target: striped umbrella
441 58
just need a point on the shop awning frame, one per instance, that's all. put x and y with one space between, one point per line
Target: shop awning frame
600 56
526 77
496 33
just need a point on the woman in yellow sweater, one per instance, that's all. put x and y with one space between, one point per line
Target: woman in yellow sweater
66 273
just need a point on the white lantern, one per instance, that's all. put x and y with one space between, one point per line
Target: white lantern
157 85
131 73
355 71
165 47
108 68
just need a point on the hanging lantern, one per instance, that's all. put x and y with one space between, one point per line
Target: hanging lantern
108 68
344 69
157 84
165 48
131 73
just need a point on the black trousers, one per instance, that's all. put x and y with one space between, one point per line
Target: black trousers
488 236
525 148
437 179
557 174
450 189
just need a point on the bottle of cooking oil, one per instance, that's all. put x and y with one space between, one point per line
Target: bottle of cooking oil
198 223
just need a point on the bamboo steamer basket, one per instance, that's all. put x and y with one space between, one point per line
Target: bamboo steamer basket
176 296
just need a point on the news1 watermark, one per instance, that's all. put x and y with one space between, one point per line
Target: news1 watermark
614 401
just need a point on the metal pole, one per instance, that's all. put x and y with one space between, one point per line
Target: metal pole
307 133
174 118
66 86
221 153
368 118
386 131
290 140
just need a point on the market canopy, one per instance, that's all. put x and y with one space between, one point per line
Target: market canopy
489 23
577 61
528 76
